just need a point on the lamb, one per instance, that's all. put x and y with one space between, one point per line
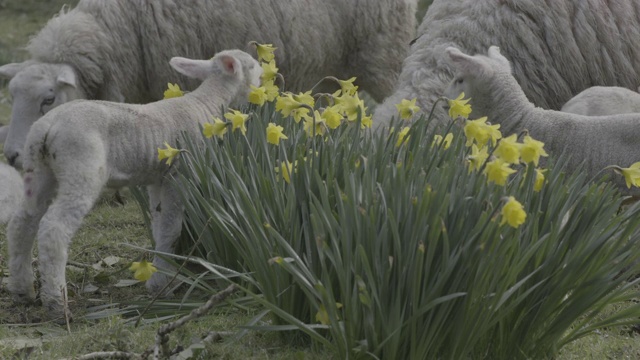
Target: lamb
604 100
118 50
558 48
11 190
598 141
75 150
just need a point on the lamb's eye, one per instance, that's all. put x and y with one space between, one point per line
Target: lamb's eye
48 101
459 81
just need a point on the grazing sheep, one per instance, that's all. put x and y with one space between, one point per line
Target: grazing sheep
75 150
10 191
118 50
598 141
604 100
558 48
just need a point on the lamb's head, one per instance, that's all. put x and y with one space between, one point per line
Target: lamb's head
484 79
36 88
228 67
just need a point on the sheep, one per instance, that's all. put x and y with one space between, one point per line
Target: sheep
11 190
598 141
603 100
118 50
75 150
558 48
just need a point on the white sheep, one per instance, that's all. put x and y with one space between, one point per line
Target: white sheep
598 141
118 50
11 191
604 100
75 150
558 48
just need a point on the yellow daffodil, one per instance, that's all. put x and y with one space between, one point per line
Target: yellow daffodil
142 270
402 136
508 149
218 128
301 113
269 71
531 150
438 139
513 213
285 104
347 86
332 117
315 125
537 186
265 52
258 95
238 120
173 90
366 122
478 157
631 174
350 105
322 316
169 153
285 169
481 132
305 98
271 90
498 171
274 134
407 108
459 107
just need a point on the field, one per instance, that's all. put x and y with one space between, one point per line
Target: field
113 236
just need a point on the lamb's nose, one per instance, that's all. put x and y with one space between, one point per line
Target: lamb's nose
11 158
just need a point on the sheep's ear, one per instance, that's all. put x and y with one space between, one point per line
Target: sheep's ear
229 64
494 53
8 71
67 76
195 69
463 61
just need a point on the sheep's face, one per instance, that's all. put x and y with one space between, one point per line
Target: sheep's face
35 88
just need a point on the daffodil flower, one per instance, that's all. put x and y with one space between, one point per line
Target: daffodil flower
269 71
477 157
540 180
169 153
366 122
315 125
285 169
305 98
265 52
631 174
508 149
286 104
347 86
142 270
446 141
218 128
402 136
258 95
322 316
513 213
350 105
498 171
531 150
332 117
173 90
459 107
481 132
274 134
238 120
271 90
407 108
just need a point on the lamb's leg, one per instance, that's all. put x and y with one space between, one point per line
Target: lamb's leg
39 187
166 224
58 225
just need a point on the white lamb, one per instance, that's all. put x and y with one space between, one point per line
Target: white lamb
557 48
75 150
604 100
11 191
118 50
598 141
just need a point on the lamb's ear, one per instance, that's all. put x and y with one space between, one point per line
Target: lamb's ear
464 62
494 53
228 63
195 69
8 71
67 76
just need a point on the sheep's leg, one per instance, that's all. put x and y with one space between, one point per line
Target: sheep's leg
166 224
58 225
39 187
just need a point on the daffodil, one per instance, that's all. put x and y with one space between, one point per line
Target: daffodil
218 128
350 106
265 52
459 107
332 117
481 132
269 71
347 86
537 186
531 150
142 270
274 134
446 141
366 121
513 213
402 136
498 171
173 90
631 174
169 153
322 316
315 125
286 104
271 90
285 169
258 95
508 149
238 120
477 157
407 108
305 98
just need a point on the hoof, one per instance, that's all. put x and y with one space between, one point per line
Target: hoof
23 298
57 313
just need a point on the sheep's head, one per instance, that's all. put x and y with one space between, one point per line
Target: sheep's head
36 88
477 76
233 66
